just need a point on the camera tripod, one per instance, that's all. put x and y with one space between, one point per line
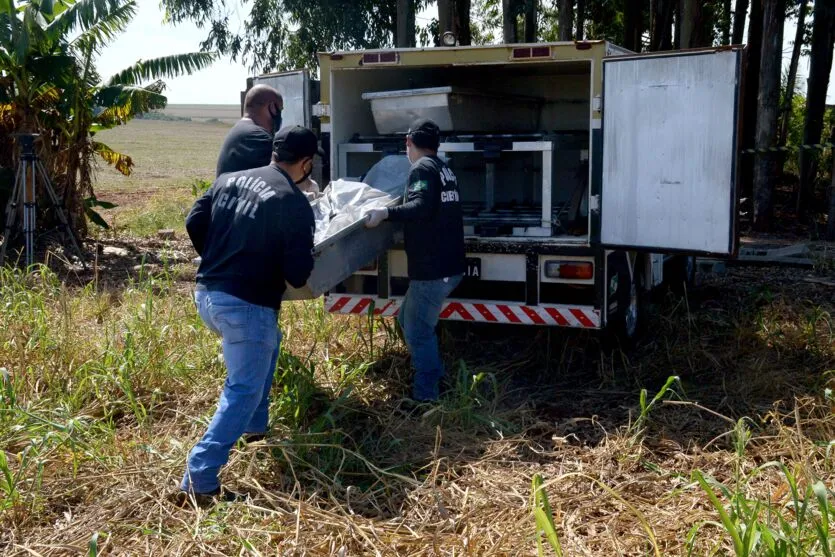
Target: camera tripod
29 169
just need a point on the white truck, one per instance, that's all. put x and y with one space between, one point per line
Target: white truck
588 174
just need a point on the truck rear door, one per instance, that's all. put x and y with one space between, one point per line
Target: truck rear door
299 94
669 164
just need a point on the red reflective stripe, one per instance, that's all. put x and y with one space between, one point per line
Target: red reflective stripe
455 307
482 309
558 317
509 313
464 313
382 310
582 318
341 303
361 306
485 312
533 315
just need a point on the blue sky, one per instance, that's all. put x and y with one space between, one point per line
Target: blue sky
148 38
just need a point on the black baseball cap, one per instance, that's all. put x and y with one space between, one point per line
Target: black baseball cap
425 134
292 143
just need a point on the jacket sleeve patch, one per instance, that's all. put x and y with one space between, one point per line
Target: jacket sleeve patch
418 186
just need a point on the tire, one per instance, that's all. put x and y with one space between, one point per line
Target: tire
626 325
632 314
680 273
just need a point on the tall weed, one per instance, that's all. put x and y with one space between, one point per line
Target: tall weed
769 526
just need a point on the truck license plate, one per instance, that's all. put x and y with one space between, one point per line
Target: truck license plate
473 268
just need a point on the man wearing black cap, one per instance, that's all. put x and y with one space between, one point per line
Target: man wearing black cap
254 231
434 235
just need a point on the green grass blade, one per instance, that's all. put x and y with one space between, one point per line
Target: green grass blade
768 540
8 483
822 527
546 526
544 517
729 525
665 389
752 529
93 546
691 537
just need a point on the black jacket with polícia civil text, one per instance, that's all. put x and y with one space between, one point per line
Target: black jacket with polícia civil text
253 230
433 221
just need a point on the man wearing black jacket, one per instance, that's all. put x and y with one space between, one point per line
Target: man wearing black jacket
434 235
253 230
249 143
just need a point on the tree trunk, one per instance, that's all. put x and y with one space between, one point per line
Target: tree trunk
462 22
566 15
751 88
697 24
678 7
509 22
654 11
740 12
667 30
632 25
765 168
791 83
445 17
830 223
581 20
661 25
690 19
726 22
405 23
820 65
530 21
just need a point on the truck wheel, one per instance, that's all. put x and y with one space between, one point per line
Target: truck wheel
626 324
680 273
632 313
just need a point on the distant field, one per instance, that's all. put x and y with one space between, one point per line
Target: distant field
227 113
166 154
168 157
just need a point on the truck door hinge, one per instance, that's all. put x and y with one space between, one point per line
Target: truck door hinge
597 103
594 203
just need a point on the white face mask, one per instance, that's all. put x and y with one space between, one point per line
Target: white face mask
410 154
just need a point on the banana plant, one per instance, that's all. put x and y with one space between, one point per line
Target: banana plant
49 84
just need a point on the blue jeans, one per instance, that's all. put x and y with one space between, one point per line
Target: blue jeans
418 318
251 340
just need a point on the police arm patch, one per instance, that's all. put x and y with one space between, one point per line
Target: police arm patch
418 186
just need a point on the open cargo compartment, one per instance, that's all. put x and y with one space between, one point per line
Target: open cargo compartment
523 172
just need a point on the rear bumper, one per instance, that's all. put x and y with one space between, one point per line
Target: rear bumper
512 313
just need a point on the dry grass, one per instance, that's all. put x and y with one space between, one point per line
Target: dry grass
110 378
110 385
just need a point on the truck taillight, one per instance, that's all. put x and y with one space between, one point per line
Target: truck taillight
526 53
570 270
372 58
